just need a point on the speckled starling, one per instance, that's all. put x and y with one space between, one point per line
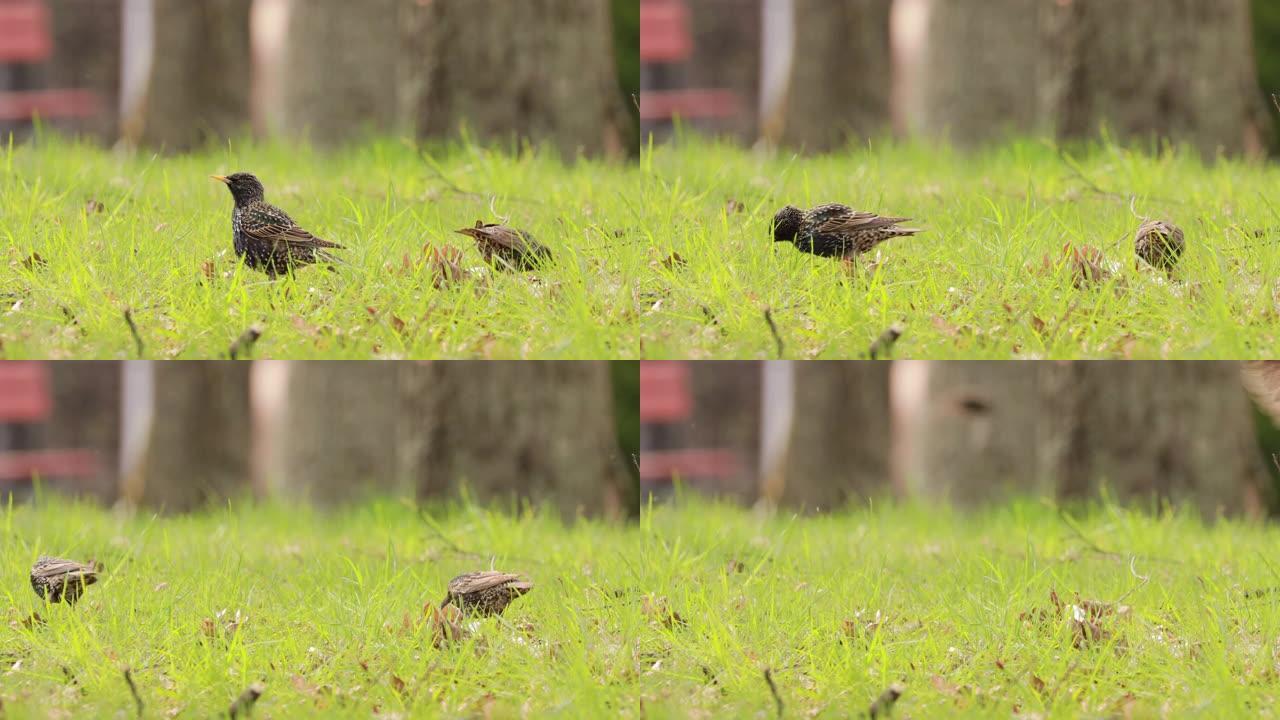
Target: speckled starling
1159 243
265 237
56 579
506 248
835 230
485 593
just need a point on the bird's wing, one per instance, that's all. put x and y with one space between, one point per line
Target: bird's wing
56 567
837 218
271 224
477 582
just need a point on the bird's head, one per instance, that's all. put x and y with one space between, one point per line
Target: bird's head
786 223
244 187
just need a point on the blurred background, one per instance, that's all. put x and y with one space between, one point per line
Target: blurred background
818 435
180 436
824 74
178 74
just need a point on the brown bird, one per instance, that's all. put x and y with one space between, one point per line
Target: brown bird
264 236
56 579
835 230
485 593
507 248
1159 243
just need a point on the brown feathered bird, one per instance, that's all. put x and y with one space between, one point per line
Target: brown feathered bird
485 593
506 248
56 579
835 230
1159 243
264 236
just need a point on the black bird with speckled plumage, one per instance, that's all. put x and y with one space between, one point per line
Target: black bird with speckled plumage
56 579
265 237
485 593
835 230
506 248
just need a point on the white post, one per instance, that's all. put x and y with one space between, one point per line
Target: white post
136 51
777 411
777 50
137 413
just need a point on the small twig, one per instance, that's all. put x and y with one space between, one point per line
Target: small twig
883 705
768 317
128 678
244 343
244 703
1061 681
137 339
1275 100
884 343
768 677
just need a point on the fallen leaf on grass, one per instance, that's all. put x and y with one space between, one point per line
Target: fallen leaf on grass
883 705
446 266
93 206
734 206
657 609
33 261
446 625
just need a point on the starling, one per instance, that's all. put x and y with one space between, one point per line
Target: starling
265 237
55 579
1159 243
485 593
835 230
506 248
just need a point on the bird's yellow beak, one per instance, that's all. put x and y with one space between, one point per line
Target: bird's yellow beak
220 178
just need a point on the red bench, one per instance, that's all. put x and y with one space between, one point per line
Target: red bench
25 37
665 37
25 397
665 399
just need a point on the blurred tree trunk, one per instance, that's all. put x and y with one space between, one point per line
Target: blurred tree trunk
542 431
726 415
976 438
839 448
726 54
536 69
86 42
340 68
1179 431
979 71
200 74
337 433
840 74
1180 69
198 449
86 414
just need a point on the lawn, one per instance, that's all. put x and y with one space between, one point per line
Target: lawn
1014 612
87 234
988 279
327 611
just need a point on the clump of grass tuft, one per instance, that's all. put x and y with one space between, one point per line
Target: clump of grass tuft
988 278
87 234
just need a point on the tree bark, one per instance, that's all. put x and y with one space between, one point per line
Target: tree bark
537 431
86 415
341 61
841 73
1153 431
980 70
976 437
726 54
86 42
198 449
536 69
337 438
839 449
726 416
200 73
1181 70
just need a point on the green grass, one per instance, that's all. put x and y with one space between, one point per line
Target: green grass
840 607
161 248
332 610
976 284
332 614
